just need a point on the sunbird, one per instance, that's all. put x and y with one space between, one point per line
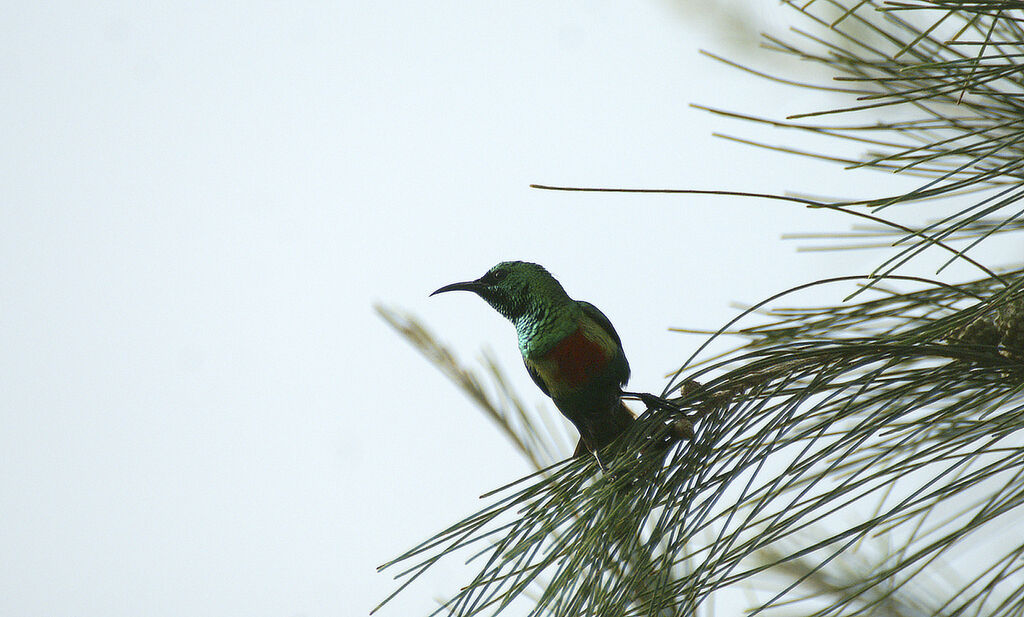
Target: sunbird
569 347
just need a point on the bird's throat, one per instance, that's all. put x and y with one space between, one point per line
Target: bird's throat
540 331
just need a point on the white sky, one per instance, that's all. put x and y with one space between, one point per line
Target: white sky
201 414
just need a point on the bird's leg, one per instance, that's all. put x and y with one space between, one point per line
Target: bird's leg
681 426
686 389
652 401
656 402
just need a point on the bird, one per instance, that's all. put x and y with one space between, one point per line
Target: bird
569 347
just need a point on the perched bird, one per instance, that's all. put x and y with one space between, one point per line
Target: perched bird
570 349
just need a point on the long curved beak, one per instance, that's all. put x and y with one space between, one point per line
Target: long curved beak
473 286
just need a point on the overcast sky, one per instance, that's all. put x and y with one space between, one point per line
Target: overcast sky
199 204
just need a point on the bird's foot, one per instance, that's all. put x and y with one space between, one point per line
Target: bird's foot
687 389
679 424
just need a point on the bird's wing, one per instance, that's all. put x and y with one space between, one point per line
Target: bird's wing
536 378
595 313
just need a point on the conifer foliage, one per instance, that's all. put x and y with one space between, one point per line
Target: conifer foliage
861 458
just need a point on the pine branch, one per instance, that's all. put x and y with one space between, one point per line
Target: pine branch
791 435
956 72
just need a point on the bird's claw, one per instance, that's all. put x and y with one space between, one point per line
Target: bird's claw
679 425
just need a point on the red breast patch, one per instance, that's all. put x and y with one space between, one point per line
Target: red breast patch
576 359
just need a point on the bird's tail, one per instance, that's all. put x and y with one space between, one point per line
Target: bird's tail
619 421
605 432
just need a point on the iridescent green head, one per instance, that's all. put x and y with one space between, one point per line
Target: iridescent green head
516 289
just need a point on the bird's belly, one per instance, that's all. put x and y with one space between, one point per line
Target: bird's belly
572 363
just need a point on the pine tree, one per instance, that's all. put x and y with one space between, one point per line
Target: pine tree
862 458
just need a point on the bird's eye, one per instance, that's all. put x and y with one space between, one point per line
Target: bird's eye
498 275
